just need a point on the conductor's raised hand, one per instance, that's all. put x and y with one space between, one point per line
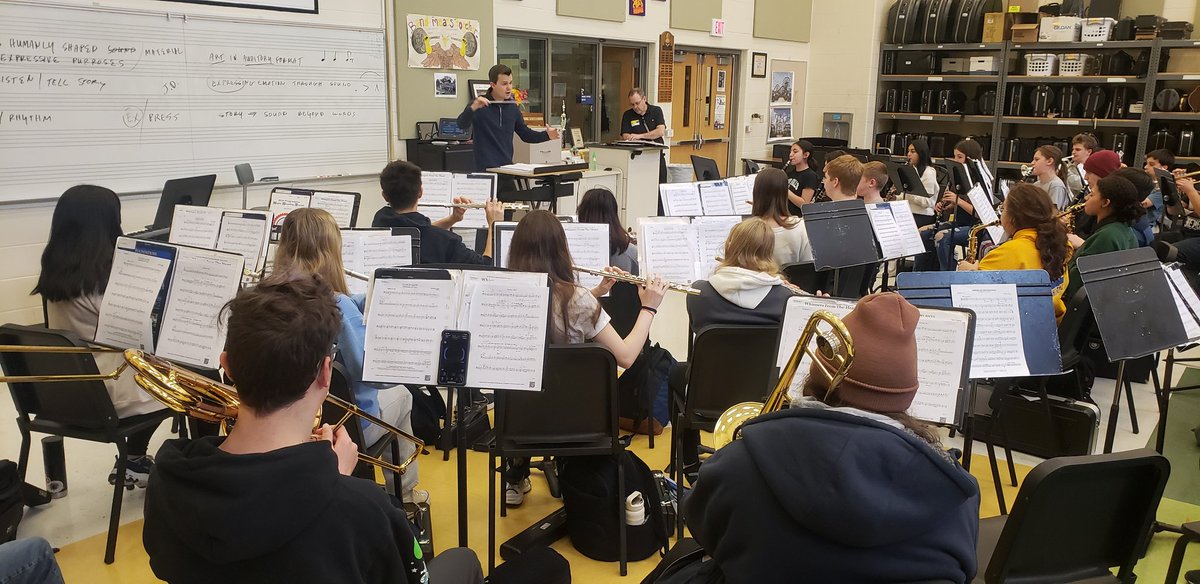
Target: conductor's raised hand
652 293
480 102
495 211
458 213
343 447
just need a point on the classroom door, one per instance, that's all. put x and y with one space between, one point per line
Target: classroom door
702 109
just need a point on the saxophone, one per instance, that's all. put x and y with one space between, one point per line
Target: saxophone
973 240
1070 213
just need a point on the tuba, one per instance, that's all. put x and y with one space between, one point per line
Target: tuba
839 357
973 240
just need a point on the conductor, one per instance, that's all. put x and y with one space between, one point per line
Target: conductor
495 116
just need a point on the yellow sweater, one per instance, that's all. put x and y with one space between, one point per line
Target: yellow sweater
1021 253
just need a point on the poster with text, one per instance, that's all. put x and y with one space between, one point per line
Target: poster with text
442 42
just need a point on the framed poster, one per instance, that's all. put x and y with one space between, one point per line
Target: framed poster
721 80
442 42
637 7
780 127
309 6
445 85
781 87
758 65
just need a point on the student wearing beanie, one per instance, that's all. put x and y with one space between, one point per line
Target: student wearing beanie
843 486
1098 165
1113 203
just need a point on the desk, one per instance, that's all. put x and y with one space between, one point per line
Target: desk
555 185
637 191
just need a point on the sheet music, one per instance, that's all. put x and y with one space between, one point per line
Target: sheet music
506 236
365 250
478 187
405 321
340 205
284 202
269 264
998 348
887 233
714 197
245 233
680 199
902 213
507 321
472 279
1186 301
203 282
195 226
741 193
711 233
437 188
986 212
668 249
133 285
588 244
795 317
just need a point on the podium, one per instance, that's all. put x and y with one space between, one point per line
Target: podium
637 189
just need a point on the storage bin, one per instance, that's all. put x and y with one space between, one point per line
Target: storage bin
1059 29
1077 64
1097 29
955 65
1041 64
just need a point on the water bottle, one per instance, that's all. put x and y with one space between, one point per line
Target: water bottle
635 509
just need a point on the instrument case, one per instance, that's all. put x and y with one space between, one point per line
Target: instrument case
1072 432
903 20
936 24
967 24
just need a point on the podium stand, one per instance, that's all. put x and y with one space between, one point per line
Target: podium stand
637 189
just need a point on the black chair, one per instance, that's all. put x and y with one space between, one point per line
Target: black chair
575 414
750 166
623 306
1189 533
806 276
1075 517
727 365
71 409
339 386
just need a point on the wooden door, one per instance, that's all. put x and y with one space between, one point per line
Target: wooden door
702 110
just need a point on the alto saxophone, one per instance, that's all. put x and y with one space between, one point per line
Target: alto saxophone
1070 213
973 240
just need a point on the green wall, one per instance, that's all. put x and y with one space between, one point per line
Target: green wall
786 20
613 10
695 14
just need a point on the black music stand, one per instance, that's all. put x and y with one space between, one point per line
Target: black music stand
841 236
195 190
905 178
1128 290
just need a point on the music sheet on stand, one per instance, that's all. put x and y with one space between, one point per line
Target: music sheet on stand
437 188
588 244
340 205
245 233
909 235
284 202
191 330
364 251
507 321
669 249
478 187
998 349
680 199
741 193
986 212
195 226
714 197
1186 301
887 233
711 233
405 320
133 285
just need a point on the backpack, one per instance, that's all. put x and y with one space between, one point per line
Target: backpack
428 412
590 499
14 496
540 565
640 390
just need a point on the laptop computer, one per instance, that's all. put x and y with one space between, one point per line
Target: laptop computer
448 130
194 190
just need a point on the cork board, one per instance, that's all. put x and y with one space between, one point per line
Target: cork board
695 14
611 10
786 20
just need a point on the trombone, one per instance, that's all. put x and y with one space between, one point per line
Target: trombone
636 280
833 357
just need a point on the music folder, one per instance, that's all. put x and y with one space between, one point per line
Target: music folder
944 347
507 314
840 234
1128 291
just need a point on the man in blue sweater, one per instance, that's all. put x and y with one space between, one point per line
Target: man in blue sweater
495 117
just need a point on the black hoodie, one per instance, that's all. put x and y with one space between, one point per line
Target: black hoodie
281 516
817 495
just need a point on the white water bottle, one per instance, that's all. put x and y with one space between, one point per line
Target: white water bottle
635 509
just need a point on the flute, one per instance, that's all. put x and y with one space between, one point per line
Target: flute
505 206
636 280
356 275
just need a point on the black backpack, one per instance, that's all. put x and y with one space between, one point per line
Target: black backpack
640 385
590 498
428 412
15 495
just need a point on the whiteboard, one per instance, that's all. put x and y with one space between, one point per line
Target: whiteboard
127 100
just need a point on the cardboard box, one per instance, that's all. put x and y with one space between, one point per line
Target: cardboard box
1022 5
1024 33
955 64
986 65
1058 29
548 152
997 26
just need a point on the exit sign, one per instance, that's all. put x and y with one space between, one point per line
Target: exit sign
718 28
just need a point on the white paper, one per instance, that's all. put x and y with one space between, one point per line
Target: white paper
741 194
680 199
714 198
340 205
668 249
245 233
1186 302
133 285
795 317
195 226
472 279
998 349
508 335
404 329
711 233
437 188
284 202
202 283
522 167
986 212
887 233
506 236
909 235
588 244
367 249
477 187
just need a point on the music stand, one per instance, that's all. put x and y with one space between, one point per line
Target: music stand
1128 290
960 177
1166 185
841 236
195 190
705 168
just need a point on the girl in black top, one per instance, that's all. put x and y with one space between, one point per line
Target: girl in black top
802 180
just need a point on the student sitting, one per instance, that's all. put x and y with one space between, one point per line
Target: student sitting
1099 164
600 206
843 486
966 152
540 245
1046 168
75 267
1143 227
401 183
1037 241
1186 250
802 180
1113 203
770 203
1156 159
273 501
746 289
310 243
1082 146
841 178
870 186
923 206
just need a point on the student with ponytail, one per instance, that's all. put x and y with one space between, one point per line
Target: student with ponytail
1037 241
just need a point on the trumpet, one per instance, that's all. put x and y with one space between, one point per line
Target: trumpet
674 287
1188 175
505 206
973 240
833 363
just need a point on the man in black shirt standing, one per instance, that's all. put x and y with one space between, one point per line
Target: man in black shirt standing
643 121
